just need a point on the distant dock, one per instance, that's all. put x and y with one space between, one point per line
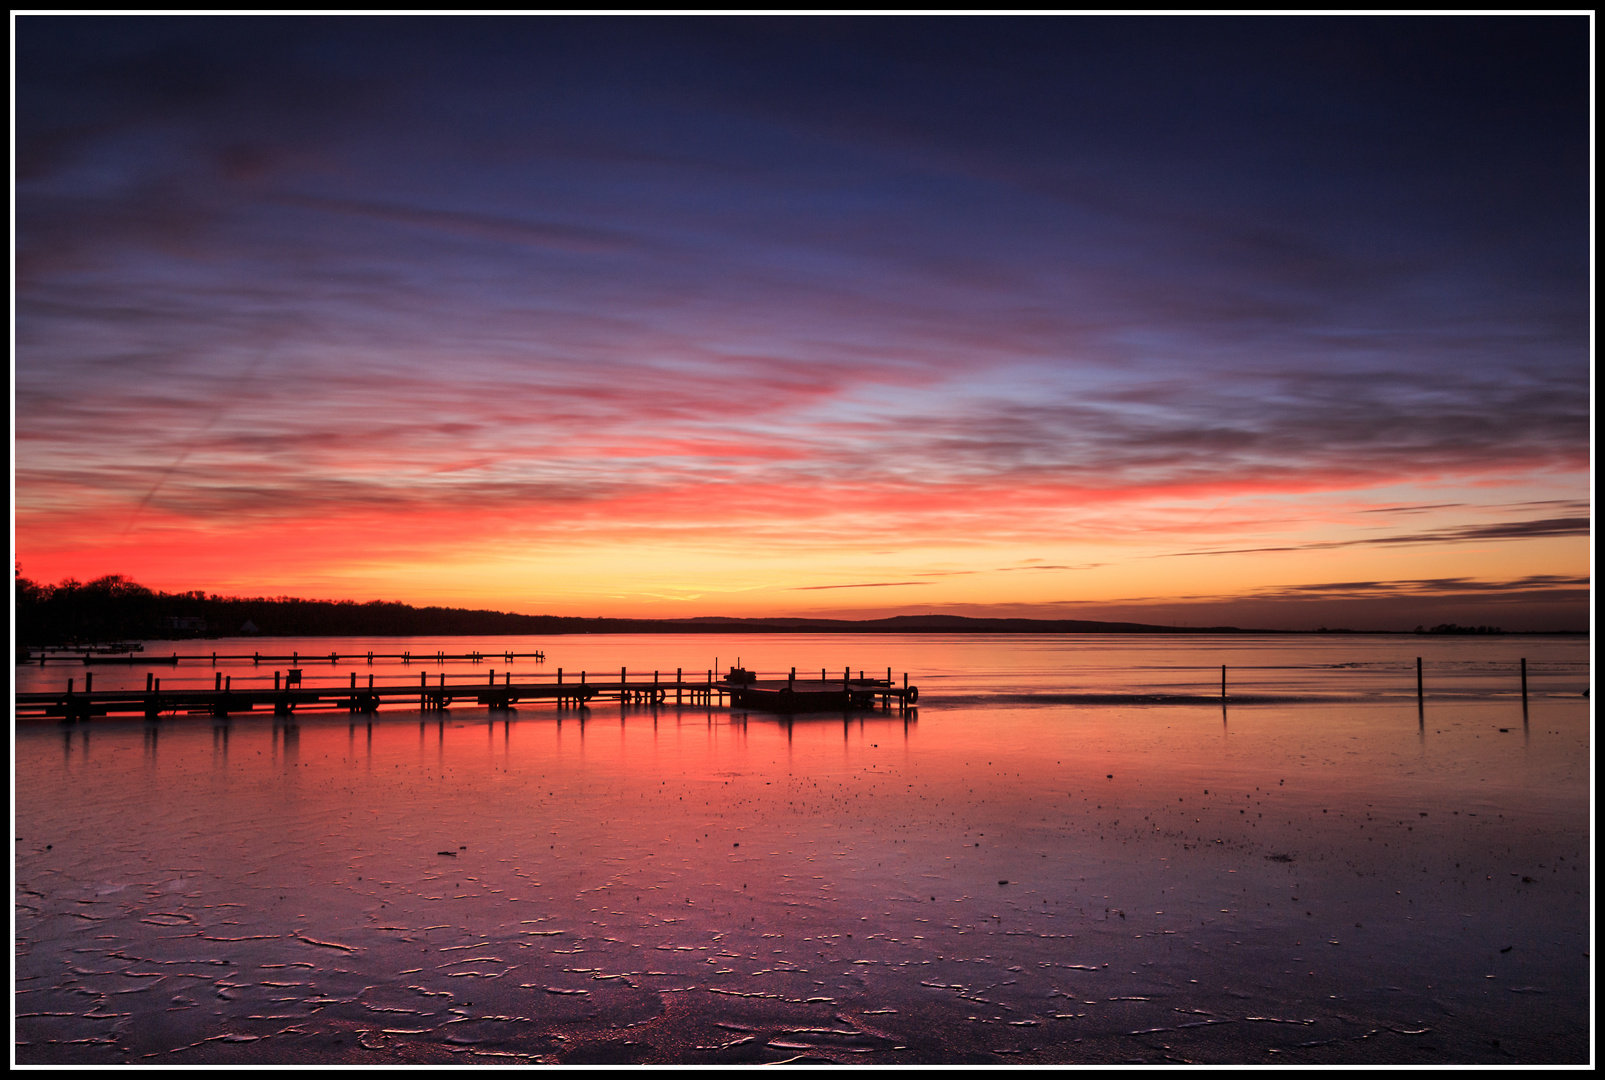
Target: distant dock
294 659
738 689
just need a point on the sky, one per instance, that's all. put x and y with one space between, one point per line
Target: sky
1270 322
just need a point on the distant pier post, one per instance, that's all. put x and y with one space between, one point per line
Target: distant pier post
1223 682
1524 682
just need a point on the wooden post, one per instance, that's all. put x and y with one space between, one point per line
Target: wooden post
1524 682
1223 682
791 680
353 680
89 682
218 683
275 682
370 680
1420 694
679 680
559 676
149 677
228 684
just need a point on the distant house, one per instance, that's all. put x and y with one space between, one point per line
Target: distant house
249 627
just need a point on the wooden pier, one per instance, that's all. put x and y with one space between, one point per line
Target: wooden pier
294 659
739 689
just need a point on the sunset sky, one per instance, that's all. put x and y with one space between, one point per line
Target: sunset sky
1271 322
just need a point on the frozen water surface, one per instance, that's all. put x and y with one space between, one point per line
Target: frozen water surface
1005 875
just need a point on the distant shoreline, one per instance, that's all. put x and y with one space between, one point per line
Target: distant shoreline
115 608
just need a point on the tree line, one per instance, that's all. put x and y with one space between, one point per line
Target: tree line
115 608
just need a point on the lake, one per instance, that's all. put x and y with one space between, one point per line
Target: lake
1025 868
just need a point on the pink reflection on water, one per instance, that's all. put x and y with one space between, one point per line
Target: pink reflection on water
977 882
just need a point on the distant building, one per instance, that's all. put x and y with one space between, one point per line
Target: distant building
249 627
193 623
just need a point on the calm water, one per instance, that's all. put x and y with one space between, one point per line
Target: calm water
1005 875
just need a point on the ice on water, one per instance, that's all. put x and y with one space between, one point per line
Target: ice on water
1342 879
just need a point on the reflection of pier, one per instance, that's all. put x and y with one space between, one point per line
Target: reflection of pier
740 689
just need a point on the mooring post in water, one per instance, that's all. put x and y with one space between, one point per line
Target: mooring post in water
353 680
149 677
275 682
1420 694
791 680
1223 682
217 683
1524 682
679 680
559 676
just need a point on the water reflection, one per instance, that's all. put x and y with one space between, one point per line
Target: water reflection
1054 880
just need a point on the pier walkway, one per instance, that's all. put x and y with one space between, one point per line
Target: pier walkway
294 659
740 689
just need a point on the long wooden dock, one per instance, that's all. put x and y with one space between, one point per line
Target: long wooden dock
294 659
738 690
